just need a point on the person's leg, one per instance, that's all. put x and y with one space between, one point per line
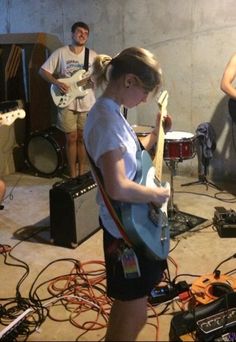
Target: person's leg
67 123
129 311
82 155
71 153
126 319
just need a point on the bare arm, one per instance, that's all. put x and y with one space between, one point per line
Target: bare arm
151 138
47 76
228 78
120 188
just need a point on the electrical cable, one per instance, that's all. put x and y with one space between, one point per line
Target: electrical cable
225 260
10 193
231 200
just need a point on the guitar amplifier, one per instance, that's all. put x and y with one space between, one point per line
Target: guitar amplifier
73 211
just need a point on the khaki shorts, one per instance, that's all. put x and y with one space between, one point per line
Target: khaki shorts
69 120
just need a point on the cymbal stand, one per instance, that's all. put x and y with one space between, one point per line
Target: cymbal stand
202 179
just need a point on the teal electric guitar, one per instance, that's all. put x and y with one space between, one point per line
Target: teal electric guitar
146 225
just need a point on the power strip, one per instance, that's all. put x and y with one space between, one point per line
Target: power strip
14 323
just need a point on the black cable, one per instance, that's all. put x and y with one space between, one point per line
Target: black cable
222 262
10 195
232 200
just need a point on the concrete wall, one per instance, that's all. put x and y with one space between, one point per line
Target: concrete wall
193 40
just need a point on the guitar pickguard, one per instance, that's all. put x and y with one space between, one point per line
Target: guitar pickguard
76 84
149 234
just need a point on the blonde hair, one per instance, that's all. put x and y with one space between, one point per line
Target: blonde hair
137 61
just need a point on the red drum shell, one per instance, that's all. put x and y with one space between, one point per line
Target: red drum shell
179 146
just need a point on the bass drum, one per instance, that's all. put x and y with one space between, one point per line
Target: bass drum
45 152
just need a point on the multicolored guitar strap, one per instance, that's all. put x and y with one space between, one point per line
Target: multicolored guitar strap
107 201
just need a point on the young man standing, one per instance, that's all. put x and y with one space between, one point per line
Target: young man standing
229 77
65 62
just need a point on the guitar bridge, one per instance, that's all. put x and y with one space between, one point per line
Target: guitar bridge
154 214
158 218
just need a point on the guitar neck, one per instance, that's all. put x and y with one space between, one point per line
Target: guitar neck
83 81
158 159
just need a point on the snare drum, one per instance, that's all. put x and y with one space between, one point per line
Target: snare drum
45 151
179 146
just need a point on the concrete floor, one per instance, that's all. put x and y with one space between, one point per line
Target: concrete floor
24 225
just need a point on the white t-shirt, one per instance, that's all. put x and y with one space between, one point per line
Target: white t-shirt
106 129
64 63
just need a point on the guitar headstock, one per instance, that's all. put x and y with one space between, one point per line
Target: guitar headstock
8 118
163 100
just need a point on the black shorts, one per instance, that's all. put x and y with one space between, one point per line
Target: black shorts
118 286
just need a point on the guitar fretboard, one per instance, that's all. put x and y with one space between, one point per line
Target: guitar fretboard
158 159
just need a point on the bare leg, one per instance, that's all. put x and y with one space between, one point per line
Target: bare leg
126 320
71 152
82 155
2 190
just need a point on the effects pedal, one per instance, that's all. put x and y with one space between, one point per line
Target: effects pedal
212 326
225 222
160 294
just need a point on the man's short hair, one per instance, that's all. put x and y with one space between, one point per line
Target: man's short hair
79 24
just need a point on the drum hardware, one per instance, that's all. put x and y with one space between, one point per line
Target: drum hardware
178 146
205 146
202 179
172 208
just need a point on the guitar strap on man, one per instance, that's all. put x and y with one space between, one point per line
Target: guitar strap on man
107 200
86 59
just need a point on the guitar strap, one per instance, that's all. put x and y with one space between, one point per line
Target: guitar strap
107 201
86 59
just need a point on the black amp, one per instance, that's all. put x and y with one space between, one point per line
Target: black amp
215 321
73 211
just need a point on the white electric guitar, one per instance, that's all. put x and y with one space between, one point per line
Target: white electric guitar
78 84
8 118
146 225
